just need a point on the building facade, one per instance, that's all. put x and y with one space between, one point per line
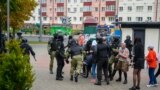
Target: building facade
138 10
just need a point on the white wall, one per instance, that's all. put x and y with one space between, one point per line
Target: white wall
133 14
125 32
151 38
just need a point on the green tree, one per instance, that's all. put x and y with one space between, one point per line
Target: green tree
15 71
20 10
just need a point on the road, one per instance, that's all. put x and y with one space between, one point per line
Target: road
46 81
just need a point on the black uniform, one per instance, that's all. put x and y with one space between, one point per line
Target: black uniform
60 57
102 62
27 49
129 46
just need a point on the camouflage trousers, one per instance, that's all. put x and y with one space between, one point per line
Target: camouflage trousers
76 64
52 57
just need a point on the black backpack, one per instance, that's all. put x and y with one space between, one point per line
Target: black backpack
54 45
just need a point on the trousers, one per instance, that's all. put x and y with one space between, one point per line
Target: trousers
102 65
60 65
151 76
51 64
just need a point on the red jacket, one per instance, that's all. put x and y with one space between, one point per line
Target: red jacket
151 59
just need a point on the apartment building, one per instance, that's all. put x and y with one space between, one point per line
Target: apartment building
139 10
47 13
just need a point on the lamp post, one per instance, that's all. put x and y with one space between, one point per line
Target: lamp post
40 37
8 19
0 31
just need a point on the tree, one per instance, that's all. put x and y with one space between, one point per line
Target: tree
20 10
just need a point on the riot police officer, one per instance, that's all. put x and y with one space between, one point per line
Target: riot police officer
60 57
52 51
27 49
76 63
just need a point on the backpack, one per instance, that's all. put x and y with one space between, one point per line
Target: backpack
54 45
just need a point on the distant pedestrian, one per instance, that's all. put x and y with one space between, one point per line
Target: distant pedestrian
158 72
123 63
138 63
152 64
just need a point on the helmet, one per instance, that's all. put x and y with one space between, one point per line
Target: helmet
24 40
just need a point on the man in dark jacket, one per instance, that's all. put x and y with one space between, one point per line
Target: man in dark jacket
60 57
76 63
102 60
129 45
27 49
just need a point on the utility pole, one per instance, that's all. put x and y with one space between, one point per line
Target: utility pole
8 18
40 32
0 31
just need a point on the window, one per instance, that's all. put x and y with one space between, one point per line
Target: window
150 8
110 8
75 9
81 9
45 18
129 19
60 9
103 18
81 18
75 18
43 1
43 9
50 18
96 18
69 10
75 1
103 8
120 18
139 8
139 19
96 9
87 8
55 18
120 9
149 19
129 8
60 1
111 19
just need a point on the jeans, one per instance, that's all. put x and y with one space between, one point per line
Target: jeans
94 71
151 76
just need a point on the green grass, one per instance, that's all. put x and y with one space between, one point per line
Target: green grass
37 42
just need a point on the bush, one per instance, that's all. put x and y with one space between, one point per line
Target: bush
15 72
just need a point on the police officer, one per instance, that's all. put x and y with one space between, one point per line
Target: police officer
114 49
102 60
52 51
60 57
27 49
76 63
129 45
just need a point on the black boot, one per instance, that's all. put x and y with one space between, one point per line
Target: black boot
125 82
98 83
59 79
76 77
107 82
71 78
118 80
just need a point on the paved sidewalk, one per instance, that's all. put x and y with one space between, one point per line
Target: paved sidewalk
46 81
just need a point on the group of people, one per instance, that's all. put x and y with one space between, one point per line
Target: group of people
97 56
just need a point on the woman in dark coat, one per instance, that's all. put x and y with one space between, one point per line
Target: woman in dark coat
138 63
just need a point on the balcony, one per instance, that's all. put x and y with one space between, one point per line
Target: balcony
60 4
110 13
44 4
44 14
110 3
87 3
88 13
60 13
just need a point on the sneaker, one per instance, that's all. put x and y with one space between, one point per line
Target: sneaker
155 85
132 88
150 85
93 81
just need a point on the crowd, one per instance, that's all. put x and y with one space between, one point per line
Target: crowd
100 57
